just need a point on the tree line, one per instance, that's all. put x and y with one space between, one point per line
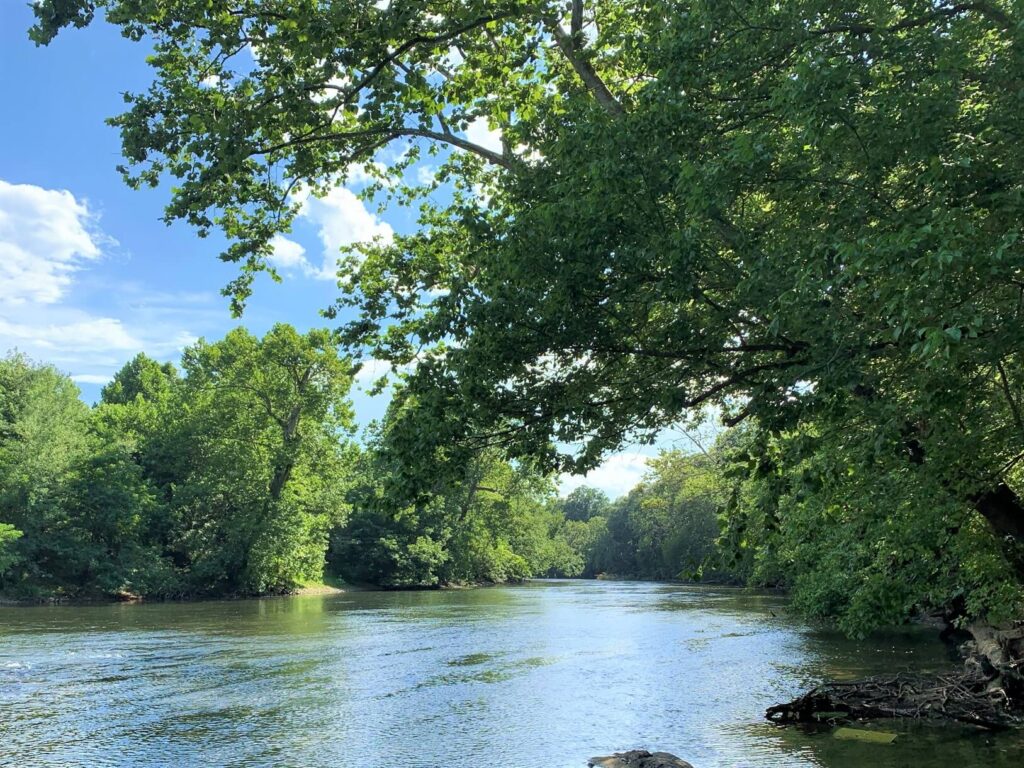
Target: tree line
222 478
806 214
240 474
236 475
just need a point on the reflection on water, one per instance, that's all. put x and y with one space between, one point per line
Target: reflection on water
538 676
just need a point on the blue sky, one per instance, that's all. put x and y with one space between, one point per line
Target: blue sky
90 275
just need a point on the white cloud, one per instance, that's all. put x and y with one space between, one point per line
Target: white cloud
615 476
480 134
425 174
73 335
48 238
289 255
373 369
89 335
46 235
91 378
342 219
359 174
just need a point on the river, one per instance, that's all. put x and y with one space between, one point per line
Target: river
541 675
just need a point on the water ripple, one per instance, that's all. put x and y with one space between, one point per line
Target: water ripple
537 676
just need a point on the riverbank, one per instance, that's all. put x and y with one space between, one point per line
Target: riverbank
328 585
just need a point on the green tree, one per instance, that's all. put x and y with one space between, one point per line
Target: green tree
584 502
8 557
666 527
108 541
801 211
262 428
43 439
859 535
141 377
140 407
79 508
588 541
482 518
227 480
675 524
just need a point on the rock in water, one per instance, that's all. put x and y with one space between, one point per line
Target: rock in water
638 758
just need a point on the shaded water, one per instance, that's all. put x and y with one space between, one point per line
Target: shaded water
535 676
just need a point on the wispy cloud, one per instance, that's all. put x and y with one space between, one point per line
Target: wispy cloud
91 378
49 242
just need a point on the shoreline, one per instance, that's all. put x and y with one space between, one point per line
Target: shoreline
332 585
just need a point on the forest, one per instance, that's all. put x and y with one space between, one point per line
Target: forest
240 474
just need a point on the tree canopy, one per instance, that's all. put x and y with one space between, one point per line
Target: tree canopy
240 476
225 480
805 213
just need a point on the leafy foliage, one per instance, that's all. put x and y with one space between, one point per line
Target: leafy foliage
260 482
226 480
487 521
585 503
665 528
8 535
805 213
860 536
235 477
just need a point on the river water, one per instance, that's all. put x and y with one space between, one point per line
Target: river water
541 675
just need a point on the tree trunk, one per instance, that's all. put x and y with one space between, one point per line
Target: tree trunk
1003 509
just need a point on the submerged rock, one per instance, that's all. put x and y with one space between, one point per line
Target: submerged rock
639 758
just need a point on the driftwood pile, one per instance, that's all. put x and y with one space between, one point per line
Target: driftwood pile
988 691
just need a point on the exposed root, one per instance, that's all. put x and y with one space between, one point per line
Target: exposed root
987 692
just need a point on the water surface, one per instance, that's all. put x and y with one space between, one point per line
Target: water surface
535 676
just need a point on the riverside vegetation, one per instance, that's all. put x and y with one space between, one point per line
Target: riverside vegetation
806 214
239 475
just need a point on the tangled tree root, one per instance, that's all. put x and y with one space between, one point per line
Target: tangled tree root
987 692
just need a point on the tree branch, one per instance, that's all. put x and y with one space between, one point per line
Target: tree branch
389 134
576 24
411 43
584 69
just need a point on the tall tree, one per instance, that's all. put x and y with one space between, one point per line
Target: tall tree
480 519
262 429
585 502
43 438
801 210
141 377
